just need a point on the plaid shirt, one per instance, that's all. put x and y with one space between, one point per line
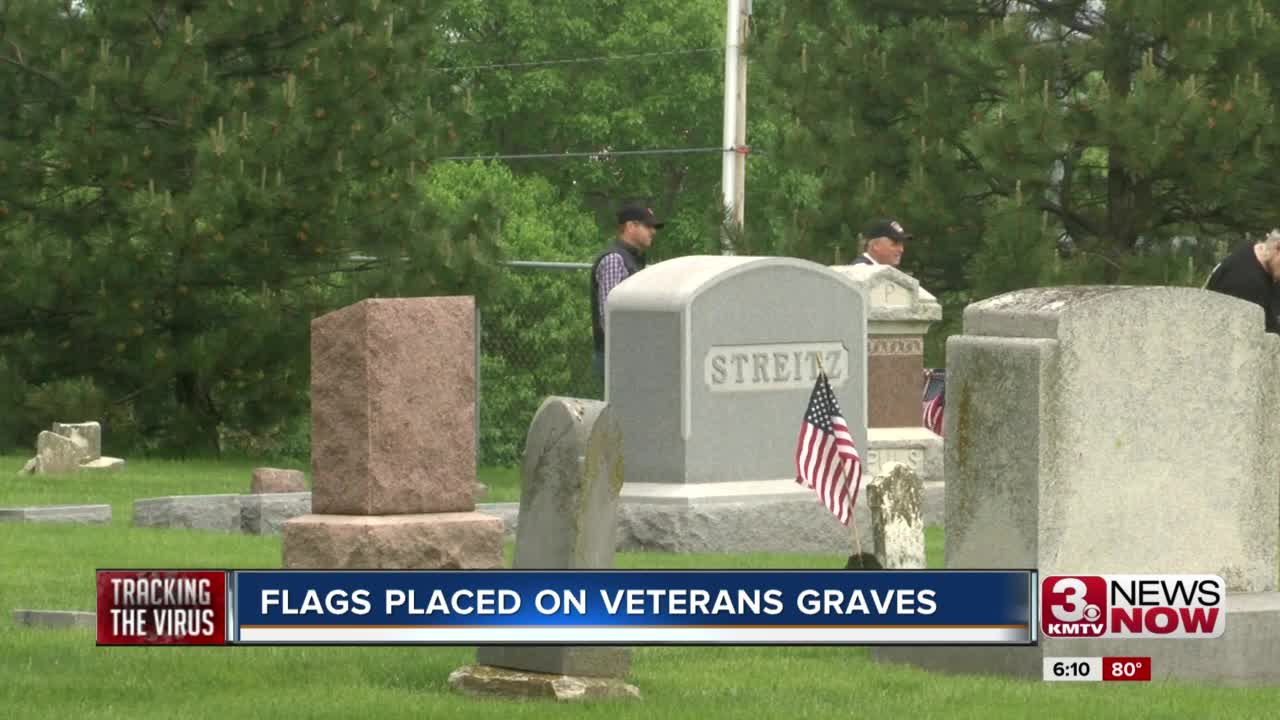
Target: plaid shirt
609 273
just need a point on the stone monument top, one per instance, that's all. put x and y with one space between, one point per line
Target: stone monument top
892 295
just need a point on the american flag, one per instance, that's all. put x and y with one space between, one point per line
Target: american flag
827 460
932 403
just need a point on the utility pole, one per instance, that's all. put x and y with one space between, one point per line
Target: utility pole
740 138
732 169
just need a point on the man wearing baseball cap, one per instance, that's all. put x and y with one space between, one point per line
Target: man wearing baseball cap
623 258
882 243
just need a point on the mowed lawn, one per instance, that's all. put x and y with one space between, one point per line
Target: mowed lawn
61 674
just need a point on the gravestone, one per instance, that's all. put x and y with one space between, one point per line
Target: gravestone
74 514
58 454
70 448
895 498
219 513
710 361
55 619
87 434
393 390
266 513
393 407
899 314
570 480
275 480
1118 430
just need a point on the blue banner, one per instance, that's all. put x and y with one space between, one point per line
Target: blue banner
635 607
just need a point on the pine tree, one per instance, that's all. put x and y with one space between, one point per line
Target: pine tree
183 186
1123 126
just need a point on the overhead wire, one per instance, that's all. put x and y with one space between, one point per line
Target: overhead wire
571 61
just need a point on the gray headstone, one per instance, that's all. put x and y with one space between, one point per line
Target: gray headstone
711 360
571 477
88 433
1087 427
194 512
1097 430
266 514
58 454
76 514
896 500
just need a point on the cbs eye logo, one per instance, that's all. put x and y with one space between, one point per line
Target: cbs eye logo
1073 606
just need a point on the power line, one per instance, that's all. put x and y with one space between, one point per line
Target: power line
597 154
570 61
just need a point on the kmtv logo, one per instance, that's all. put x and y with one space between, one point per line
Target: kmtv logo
1168 606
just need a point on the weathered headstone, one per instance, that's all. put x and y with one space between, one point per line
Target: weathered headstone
571 477
86 434
1118 430
711 361
899 314
70 448
58 454
393 386
276 480
895 498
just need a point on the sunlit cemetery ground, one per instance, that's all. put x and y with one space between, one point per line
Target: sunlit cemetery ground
62 674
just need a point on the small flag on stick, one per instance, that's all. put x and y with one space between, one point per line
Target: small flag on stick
827 460
932 403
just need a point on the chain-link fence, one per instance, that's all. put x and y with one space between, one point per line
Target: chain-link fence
535 341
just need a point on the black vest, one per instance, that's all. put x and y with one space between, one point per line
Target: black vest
633 261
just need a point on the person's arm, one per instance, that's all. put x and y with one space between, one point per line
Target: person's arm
609 273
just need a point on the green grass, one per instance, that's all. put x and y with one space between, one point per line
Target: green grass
60 674
504 484
156 478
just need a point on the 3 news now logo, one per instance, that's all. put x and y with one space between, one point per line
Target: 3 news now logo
1153 606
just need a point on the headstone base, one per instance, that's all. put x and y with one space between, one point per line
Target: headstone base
916 447
103 464
1247 654
486 681
754 516
191 512
436 541
598 662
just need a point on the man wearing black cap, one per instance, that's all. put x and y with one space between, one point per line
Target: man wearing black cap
623 258
882 243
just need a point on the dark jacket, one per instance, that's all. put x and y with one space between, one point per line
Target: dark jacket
633 261
1240 275
863 260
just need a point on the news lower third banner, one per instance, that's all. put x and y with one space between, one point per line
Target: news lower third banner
566 607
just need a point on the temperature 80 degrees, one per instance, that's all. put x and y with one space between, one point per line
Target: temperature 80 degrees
1126 669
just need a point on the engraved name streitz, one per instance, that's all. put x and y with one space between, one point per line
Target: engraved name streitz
737 368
